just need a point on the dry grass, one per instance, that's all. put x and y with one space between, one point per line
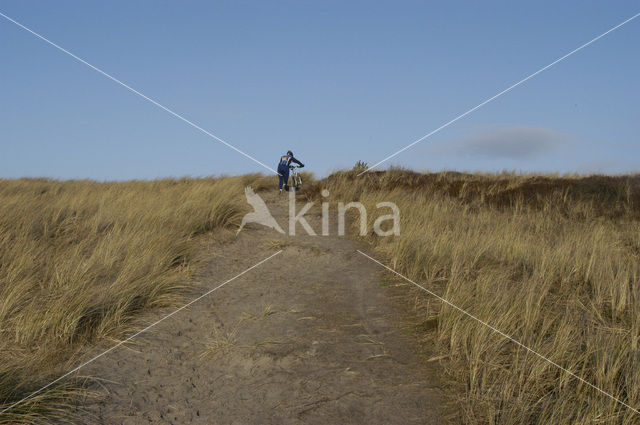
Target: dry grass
79 260
552 261
221 342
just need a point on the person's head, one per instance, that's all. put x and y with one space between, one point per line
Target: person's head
290 153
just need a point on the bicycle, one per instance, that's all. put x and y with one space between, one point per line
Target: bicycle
295 178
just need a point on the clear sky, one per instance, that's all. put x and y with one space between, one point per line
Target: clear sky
335 81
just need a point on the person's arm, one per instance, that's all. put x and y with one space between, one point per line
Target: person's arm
297 162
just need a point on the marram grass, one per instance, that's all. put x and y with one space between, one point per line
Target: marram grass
79 260
553 261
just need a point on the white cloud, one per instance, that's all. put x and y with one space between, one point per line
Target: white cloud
521 142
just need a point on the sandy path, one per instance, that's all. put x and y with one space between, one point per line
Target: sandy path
311 336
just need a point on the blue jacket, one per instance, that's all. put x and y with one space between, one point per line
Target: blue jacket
285 160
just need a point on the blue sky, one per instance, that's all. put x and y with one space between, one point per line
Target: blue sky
336 82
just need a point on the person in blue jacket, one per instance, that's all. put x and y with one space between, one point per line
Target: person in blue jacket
283 168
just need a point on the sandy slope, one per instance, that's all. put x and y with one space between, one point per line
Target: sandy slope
312 336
